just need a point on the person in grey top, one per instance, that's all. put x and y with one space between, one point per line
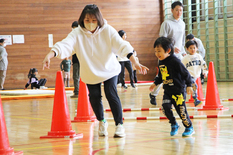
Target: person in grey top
173 28
3 62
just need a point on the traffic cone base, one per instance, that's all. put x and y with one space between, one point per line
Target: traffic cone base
213 108
61 134
10 151
84 110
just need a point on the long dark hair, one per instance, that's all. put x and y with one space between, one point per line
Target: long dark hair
32 72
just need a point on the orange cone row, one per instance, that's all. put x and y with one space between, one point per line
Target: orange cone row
61 124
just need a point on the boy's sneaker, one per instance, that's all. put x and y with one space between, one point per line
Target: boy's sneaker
152 99
103 128
197 102
120 131
124 86
174 129
188 132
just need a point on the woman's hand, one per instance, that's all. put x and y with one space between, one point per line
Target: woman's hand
142 69
46 61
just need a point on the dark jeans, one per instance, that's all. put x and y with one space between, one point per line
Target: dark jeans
110 89
128 66
76 77
135 76
178 101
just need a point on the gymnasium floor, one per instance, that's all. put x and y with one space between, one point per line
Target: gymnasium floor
28 119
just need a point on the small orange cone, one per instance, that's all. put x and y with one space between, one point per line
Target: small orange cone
5 148
84 110
212 95
61 124
199 90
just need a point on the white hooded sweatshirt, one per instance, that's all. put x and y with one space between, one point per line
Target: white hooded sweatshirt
95 52
174 29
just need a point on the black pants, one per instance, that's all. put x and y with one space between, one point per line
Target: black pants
40 83
178 101
135 76
128 66
110 89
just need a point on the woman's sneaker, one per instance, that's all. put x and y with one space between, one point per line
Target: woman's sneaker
120 131
188 132
174 129
103 128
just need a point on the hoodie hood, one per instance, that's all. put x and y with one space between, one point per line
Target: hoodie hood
97 31
171 17
92 35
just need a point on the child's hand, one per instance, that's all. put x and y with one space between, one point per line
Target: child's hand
152 87
205 75
189 90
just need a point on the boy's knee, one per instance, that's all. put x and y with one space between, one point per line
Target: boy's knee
166 106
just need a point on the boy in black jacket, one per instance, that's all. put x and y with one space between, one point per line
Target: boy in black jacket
175 77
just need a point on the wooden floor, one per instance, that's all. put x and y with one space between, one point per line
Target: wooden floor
28 119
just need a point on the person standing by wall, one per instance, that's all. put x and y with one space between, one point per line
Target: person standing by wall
65 68
76 68
3 63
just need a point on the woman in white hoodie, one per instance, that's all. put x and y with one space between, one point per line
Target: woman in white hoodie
93 42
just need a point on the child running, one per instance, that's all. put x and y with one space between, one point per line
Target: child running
174 77
34 81
194 63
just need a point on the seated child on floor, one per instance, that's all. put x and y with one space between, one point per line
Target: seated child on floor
34 81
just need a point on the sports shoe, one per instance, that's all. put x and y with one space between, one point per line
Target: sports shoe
43 87
120 131
124 86
197 102
152 99
103 128
132 85
188 132
174 129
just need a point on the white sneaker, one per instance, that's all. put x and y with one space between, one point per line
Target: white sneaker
103 128
120 131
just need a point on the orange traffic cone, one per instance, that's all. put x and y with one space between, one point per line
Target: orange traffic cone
61 124
199 90
5 148
84 110
212 95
